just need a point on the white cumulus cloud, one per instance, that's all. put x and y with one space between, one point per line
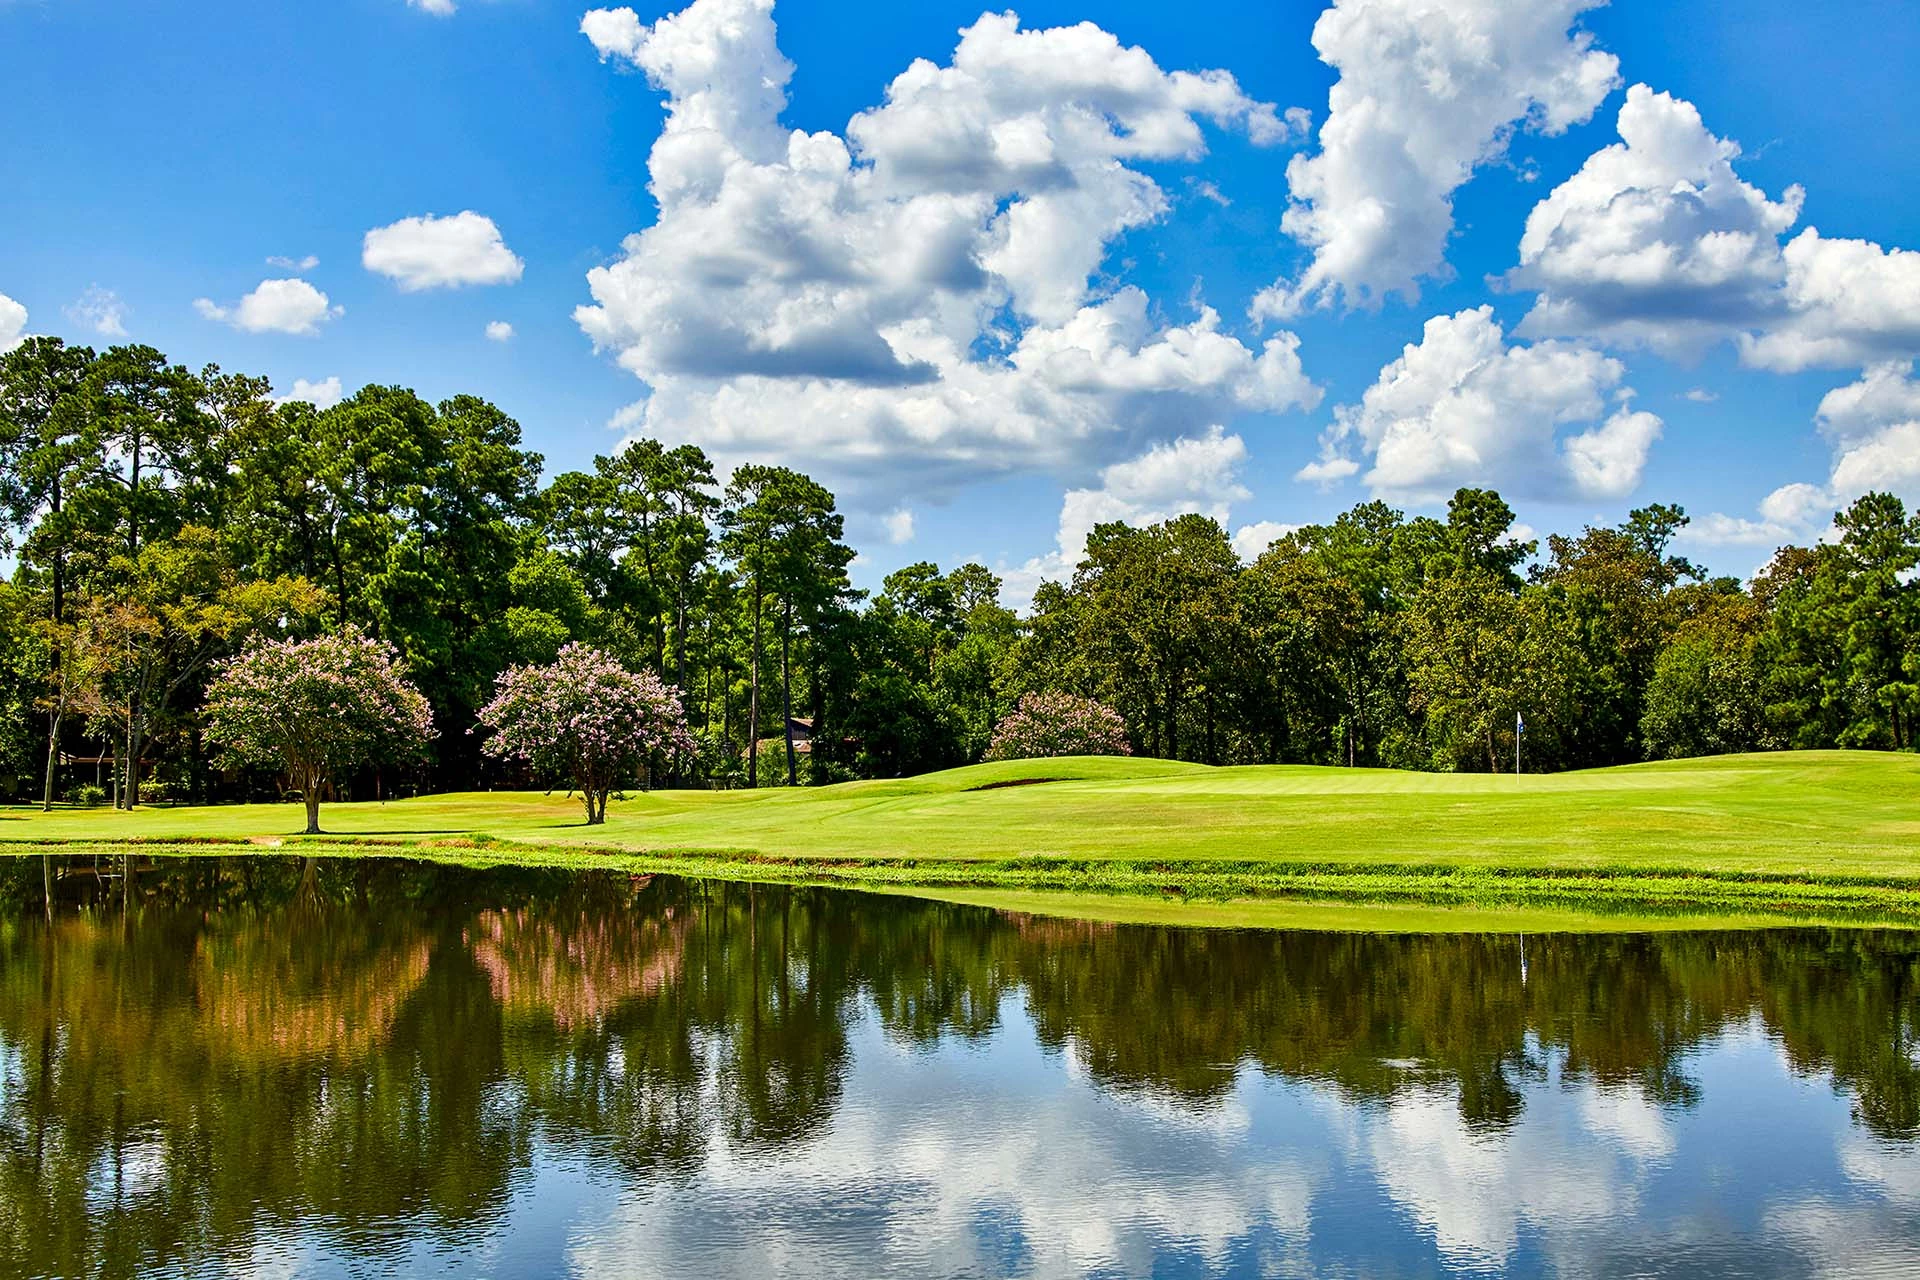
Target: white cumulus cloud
1251 541
1873 426
1462 407
1427 93
307 263
1658 242
1848 302
438 8
323 394
500 331
911 300
13 324
899 525
438 253
100 310
1193 474
275 306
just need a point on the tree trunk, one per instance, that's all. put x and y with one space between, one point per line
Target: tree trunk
339 576
818 695
1173 721
786 685
59 616
130 796
680 641
133 503
680 667
59 562
53 746
196 769
753 693
312 796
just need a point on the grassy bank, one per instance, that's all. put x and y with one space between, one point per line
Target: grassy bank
1748 839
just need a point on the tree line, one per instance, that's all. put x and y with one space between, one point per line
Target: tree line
158 519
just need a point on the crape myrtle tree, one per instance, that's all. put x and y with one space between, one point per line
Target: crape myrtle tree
1059 724
319 708
586 718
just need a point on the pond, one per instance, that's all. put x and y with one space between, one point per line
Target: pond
266 1066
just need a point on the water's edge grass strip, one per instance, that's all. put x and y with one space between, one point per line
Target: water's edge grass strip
1234 891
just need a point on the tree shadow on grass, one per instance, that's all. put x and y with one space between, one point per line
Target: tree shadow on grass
384 831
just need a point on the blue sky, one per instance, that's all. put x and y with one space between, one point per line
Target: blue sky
906 316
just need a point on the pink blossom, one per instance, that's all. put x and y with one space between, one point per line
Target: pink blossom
318 708
587 719
1059 724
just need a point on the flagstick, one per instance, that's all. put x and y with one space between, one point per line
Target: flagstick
1519 727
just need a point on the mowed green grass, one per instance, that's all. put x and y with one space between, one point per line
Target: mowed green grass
1806 835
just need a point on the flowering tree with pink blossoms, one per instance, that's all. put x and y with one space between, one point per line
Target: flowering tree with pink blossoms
586 718
1059 724
318 708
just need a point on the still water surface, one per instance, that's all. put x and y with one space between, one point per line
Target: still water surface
263 1067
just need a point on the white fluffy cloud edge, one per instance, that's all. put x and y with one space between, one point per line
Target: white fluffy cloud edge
431 252
1426 94
274 306
1192 474
13 324
324 394
1658 243
909 305
924 299
1462 407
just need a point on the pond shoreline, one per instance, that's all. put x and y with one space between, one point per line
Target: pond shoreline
1783 838
1264 894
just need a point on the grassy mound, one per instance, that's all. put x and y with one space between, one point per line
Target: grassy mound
1809 835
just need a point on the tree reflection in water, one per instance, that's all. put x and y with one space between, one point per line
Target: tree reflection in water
194 1056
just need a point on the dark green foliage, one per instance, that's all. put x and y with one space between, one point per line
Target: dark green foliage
1377 639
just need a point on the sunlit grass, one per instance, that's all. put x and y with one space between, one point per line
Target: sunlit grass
1813 835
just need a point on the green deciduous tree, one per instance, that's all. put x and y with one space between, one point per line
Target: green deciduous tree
1705 695
182 603
1479 654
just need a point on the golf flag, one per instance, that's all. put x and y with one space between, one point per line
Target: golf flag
1519 722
